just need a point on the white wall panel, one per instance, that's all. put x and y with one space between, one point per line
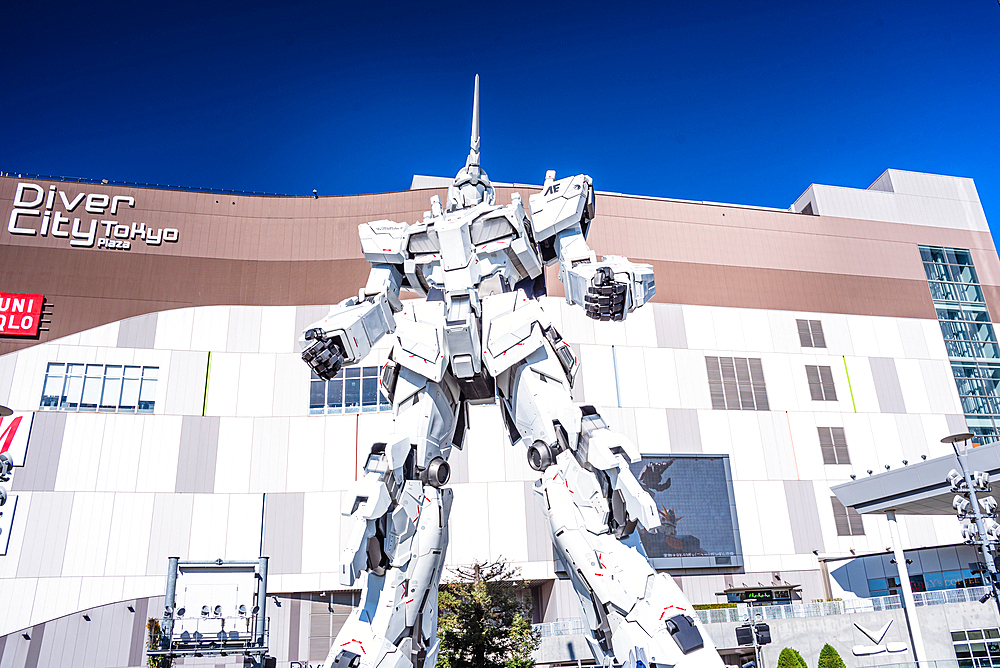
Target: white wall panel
640 327
210 329
885 433
55 597
598 371
81 452
652 431
661 379
577 327
341 455
291 386
716 435
631 366
784 335
750 521
784 387
756 331
485 443
159 448
863 337
889 341
860 442
507 522
99 591
170 534
223 384
277 329
936 428
184 384
321 532
173 329
837 333
256 385
29 376
747 449
119 463
89 531
209 524
772 508
911 383
934 339
243 529
269 458
244 329
306 442
805 439
609 333
938 382
727 324
911 332
128 540
104 336
235 450
699 327
776 442
470 521
692 379
14 617
862 386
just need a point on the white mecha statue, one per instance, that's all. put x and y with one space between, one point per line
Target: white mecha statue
480 336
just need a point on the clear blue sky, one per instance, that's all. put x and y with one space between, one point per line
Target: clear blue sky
744 102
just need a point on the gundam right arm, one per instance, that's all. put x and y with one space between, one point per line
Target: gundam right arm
560 217
348 332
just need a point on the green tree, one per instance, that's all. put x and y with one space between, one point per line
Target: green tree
829 658
484 619
790 658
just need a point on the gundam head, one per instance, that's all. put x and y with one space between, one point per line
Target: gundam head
471 186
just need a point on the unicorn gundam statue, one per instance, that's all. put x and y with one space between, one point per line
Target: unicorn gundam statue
481 336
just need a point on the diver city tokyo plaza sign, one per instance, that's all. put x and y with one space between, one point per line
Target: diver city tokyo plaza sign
41 212
20 314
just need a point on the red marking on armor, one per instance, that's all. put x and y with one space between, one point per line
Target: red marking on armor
410 601
599 560
386 250
671 607
555 476
600 575
427 500
357 641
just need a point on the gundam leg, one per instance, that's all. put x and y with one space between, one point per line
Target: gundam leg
639 618
398 518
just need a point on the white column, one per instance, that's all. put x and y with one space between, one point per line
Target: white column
909 606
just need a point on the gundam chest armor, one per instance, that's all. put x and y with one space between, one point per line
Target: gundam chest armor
480 336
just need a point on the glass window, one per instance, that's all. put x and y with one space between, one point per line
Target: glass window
53 387
352 390
74 387
820 379
953 580
92 387
975 635
147 391
933 581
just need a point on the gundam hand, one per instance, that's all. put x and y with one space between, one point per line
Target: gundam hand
612 288
323 357
347 334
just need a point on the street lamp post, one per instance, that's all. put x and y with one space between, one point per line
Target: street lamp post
986 531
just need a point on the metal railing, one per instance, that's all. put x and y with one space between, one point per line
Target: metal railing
799 610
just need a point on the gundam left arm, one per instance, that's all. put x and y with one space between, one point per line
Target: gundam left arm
561 215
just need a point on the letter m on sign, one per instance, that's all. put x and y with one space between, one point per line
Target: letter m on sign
14 432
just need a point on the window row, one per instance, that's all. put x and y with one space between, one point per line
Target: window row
353 390
934 581
977 648
737 383
811 333
106 388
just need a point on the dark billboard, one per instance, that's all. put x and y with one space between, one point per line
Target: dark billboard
694 496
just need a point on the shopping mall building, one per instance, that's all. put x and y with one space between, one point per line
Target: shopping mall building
149 348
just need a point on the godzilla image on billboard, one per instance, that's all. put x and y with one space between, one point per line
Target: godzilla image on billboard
694 497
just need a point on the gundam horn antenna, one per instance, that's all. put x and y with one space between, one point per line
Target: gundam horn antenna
474 143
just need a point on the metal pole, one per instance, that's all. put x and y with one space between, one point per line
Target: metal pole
261 601
170 603
909 605
984 543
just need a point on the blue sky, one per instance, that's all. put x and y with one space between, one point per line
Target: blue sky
726 101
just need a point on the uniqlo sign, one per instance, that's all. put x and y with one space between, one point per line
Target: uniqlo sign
20 314
14 432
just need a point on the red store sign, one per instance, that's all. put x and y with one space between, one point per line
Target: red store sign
20 314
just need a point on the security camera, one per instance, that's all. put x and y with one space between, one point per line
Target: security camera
985 597
906 462
181 611
3 496
217 610
205 611
6 466
854 477
242 610
923 457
